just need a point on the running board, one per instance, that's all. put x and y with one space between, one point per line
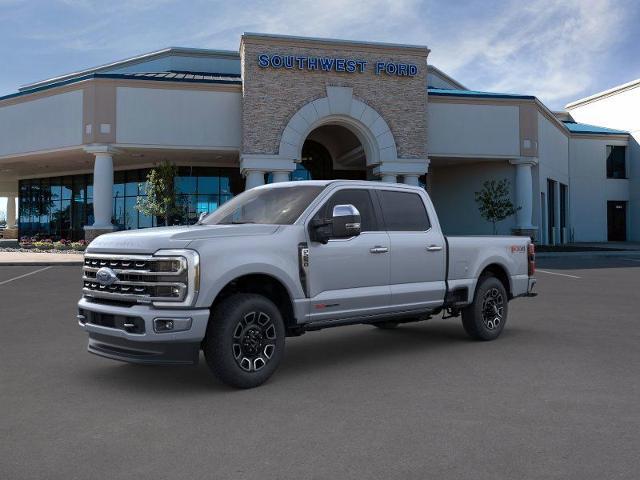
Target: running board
402 317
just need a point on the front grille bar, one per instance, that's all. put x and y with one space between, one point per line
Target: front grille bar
139 277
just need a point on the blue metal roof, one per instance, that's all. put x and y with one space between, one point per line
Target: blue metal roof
575 127
444 92
188 77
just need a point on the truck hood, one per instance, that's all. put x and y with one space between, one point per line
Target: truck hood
150 240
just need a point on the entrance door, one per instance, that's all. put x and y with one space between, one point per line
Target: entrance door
551 211
617 221
348 277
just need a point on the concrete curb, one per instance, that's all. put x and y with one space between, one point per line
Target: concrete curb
617 253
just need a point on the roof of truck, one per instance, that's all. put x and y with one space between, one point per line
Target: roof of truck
324 183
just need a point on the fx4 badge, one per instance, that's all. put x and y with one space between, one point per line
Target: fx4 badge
517 249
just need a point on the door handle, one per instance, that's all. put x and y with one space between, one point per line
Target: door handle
434 248
379 250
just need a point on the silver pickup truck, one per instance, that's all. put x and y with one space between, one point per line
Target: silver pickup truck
287 258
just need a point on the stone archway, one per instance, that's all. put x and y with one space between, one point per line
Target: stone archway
339 107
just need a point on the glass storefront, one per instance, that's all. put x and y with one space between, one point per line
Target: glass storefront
60 207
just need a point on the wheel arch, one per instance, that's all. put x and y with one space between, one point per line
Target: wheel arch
263 284
498 271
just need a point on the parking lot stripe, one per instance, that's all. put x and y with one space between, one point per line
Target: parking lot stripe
25 275
556 273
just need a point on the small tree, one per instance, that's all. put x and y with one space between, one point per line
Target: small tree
161 199
494 202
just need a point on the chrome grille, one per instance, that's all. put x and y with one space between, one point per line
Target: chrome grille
136 278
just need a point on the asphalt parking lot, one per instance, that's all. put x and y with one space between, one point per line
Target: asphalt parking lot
557 396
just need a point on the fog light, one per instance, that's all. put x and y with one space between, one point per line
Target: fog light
165 325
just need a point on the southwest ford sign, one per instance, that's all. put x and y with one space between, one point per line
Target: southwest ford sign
334 64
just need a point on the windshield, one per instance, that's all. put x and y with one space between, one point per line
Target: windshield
274 206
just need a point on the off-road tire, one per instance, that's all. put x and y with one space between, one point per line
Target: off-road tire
245 340
485 317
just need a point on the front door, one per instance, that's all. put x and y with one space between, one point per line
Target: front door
417 270
349 277
617 221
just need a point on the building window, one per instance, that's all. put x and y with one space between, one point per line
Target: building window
60 207
616 164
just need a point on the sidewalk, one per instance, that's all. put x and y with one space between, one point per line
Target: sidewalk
37 259
609 249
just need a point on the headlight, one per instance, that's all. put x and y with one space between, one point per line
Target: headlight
192 277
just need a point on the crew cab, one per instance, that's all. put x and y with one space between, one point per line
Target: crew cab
287 258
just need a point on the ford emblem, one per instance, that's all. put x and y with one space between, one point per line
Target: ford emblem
105 276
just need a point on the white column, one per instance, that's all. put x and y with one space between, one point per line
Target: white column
411 180
280 176
11 211
254 165
102 186
103 191
254 178
524 192
389 178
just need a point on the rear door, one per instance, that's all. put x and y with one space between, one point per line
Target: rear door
417 263
349 277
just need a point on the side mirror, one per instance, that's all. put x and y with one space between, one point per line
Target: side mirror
345 221
201 217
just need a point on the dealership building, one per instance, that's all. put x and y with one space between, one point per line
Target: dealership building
75 149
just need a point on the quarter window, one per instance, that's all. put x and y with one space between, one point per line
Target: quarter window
404 211
616 167
359 198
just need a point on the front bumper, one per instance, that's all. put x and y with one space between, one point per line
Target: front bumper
143 344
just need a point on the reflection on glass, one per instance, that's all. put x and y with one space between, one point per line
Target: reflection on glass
66 188
208 185
118 213
131 214
62 206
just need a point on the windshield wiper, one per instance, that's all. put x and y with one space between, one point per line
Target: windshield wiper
241 222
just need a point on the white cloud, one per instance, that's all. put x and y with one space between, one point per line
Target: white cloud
546 48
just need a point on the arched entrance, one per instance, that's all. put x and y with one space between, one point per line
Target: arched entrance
333 152
337 136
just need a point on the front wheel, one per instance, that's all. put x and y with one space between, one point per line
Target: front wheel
245 340
485 318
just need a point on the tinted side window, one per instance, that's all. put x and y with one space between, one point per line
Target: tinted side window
403 211
358 198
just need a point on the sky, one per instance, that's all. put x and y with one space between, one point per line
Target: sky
557 50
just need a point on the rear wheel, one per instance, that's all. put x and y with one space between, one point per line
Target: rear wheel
245 340
485 318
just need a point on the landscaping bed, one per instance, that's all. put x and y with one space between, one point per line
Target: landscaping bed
47 245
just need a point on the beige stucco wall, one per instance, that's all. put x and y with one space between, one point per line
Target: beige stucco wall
453 190
272 96
460 129
619 110
178 117
50 122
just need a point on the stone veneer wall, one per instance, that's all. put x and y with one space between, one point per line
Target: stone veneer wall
272 96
